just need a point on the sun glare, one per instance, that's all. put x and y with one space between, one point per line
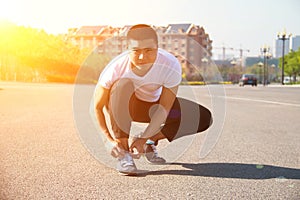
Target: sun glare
8 10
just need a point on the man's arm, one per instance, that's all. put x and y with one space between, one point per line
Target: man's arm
101 100
166 101
160 115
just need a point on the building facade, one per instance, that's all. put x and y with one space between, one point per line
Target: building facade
293 43
90 36
188 42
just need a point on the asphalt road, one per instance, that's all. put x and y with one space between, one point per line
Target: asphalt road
43 154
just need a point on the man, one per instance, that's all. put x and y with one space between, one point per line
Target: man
141 85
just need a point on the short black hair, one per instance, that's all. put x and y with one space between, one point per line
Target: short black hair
141 32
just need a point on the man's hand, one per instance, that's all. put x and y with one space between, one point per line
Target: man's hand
138 145
115 149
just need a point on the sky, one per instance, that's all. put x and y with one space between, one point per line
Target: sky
237 24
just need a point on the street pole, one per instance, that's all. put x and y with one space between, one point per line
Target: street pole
282 70
265 63
265 51
268 56
260 65
283 36
205 62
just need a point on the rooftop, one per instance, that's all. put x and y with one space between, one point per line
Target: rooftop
178 28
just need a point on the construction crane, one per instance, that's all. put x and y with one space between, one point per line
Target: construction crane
241 54
241 51
223 50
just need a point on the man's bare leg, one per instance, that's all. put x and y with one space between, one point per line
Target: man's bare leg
124 143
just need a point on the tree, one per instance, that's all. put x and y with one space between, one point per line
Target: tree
28 54
292 64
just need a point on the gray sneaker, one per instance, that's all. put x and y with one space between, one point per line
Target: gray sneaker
126 165
151 153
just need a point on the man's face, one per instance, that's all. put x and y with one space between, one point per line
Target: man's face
143 53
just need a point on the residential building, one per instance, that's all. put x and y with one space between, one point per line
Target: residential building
295 43
180 39
89 36
188 42
292 43
278 48
251 61
115 44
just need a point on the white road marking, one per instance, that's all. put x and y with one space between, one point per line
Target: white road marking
261 101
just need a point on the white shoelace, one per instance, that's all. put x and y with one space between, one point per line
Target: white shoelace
127 160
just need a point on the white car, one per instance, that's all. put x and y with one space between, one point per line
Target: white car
287 79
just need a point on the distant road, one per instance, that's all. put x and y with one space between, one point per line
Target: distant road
42 155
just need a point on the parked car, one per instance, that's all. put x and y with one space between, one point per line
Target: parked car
248 79
287 80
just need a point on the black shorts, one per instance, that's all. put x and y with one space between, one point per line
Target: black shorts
185 117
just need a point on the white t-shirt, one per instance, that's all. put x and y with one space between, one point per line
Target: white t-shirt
166 71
